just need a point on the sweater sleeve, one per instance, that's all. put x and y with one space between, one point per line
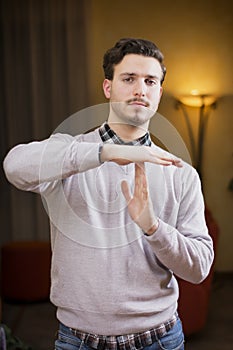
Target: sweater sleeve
187 249
36 165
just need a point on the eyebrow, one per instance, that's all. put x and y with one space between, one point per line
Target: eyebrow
134 74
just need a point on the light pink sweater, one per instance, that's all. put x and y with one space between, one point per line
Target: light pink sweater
107 277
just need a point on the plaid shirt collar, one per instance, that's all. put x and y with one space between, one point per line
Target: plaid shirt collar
108 135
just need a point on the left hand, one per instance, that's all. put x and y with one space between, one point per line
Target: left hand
139 205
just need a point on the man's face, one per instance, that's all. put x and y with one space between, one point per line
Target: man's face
135 90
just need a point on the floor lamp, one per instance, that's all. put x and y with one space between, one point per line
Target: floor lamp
204 104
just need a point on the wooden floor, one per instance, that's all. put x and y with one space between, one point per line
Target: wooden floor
35 324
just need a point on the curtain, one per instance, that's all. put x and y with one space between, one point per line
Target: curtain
43 79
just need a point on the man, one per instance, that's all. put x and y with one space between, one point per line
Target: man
125 216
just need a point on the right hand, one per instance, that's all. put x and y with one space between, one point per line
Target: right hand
125 154
139 203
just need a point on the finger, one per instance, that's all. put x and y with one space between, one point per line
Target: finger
139 178
140 189
125 190
139 172
139 168
170 161
163 161
177 162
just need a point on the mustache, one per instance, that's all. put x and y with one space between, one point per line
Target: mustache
140 100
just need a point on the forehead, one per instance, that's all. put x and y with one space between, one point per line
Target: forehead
139 65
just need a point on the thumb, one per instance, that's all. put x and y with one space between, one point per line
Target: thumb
125 190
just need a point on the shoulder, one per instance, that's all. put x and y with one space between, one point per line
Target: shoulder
91 136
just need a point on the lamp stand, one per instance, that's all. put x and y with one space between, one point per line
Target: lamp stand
197 147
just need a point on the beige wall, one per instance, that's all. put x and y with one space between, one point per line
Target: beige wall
196 39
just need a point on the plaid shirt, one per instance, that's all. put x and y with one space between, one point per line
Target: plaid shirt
127 341
108 135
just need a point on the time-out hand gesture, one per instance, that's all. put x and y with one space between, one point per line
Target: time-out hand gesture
139 205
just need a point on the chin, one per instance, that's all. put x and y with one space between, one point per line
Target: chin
139 119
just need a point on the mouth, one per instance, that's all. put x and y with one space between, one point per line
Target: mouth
138 102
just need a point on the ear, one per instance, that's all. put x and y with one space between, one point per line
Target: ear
107 88
161 92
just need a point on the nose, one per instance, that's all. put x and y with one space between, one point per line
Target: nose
139 88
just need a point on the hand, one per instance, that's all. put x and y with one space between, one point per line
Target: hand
124 154
140 206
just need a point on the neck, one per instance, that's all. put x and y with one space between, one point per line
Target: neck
127 132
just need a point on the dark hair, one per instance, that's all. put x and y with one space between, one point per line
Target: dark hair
127 46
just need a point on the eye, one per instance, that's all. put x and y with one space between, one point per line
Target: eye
151 82
128 80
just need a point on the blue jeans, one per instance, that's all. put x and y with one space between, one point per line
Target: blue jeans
172 340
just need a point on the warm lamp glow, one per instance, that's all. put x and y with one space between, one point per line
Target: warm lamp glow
197 99
195 92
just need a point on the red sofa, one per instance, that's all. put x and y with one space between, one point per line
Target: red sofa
194 298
